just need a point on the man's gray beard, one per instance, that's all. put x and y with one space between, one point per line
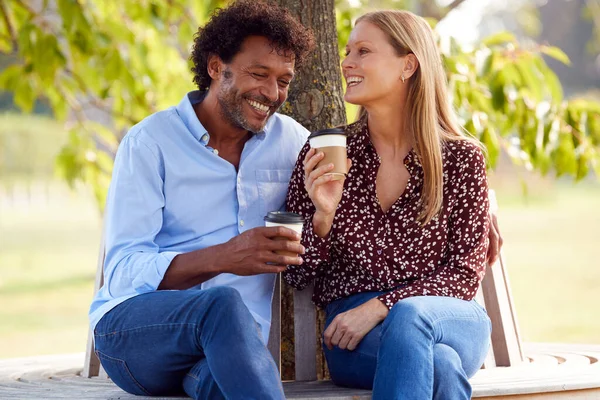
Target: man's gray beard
232 111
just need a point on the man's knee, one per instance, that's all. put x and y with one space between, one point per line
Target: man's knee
226 300
224 294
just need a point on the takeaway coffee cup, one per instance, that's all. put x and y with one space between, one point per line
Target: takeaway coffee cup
290 220
332 142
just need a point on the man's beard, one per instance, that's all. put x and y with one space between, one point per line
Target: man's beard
231 105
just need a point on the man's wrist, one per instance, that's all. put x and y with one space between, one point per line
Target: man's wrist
214 262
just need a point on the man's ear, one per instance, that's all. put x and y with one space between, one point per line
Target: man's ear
411 64
214 66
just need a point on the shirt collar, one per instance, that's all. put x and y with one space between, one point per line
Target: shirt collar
186 112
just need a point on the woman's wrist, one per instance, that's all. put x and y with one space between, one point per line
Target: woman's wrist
378 309
322 223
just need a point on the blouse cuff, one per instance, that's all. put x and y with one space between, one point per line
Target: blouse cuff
317 248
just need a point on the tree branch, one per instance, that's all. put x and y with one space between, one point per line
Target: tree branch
453 5
9 26
432 10
26 7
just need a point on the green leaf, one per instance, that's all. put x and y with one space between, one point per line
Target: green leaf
10 77
67 10
556 53
24 96
530 77
583 165
489 138
431 21
5 46
499 38
563 157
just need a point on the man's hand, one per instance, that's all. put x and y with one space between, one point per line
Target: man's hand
252 252
348 328
495 240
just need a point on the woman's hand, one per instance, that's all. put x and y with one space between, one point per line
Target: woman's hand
324 192
496 240
348 328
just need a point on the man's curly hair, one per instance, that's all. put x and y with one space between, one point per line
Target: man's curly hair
229 27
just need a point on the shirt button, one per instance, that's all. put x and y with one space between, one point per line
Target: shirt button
205 137
241 222
215 151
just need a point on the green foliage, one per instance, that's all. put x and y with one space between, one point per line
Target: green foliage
506 95
105 65
99 64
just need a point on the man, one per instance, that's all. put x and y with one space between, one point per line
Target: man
185 210
190 188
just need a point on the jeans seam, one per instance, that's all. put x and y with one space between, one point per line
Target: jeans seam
126 369
464 318
195 326
193 376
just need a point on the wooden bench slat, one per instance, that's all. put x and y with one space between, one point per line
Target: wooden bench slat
305 336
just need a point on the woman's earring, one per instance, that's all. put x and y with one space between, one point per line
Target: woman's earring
402 78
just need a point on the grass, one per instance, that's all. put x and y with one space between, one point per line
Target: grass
47 267
551 254
49 240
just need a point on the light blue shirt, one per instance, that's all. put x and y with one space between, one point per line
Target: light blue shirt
171 193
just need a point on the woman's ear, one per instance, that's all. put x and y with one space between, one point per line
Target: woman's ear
411 64
214 66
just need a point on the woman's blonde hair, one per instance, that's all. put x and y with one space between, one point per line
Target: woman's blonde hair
431 118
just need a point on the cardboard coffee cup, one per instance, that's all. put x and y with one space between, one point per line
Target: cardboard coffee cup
332 142
290 220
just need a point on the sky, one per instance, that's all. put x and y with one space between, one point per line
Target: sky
462 23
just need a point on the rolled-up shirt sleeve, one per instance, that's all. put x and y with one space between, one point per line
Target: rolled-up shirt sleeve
134 263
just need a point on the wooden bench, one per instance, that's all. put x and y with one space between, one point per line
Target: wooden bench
494 294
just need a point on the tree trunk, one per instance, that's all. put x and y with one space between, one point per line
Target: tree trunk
316 101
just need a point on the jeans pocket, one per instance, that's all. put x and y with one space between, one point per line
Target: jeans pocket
120 374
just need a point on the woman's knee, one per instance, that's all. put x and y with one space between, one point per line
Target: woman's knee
449 378
445 361
406 315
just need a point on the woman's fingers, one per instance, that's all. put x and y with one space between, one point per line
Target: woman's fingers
328 334
311 163
317 174
336 337
353 343
309 154
345 341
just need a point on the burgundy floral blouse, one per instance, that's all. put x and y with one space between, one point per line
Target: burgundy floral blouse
368 250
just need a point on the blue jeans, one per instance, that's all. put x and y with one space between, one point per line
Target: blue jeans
426 348
201 342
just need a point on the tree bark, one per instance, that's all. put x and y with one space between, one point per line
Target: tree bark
316 101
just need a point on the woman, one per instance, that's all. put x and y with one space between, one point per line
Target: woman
398 249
